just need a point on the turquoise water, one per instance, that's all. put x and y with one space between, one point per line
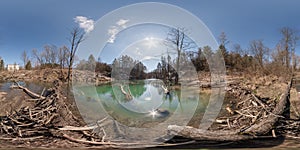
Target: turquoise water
148 103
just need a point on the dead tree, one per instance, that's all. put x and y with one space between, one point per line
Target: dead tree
24 58
289 42
178 40
75 40
259 51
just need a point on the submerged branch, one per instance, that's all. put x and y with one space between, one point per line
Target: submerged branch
28 92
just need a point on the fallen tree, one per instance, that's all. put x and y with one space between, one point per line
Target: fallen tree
27 91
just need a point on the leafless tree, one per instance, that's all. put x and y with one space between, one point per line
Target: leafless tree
53 54
63 56
237 49
178 40
38 56
50 54
46 54
76 37
223 39
288 42
259 51
24 57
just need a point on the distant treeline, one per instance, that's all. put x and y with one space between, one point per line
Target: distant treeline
256 59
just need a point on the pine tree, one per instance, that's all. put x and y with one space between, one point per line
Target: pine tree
28 65
1 64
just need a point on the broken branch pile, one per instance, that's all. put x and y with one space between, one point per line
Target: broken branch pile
249 110
49 116
251 118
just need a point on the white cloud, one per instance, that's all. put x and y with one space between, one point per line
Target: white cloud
122 23
86 24
113 30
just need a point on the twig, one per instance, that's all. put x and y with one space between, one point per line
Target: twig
104 134
18 138
244 114
72 128
258 101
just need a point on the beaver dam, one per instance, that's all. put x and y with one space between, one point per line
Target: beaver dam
49 117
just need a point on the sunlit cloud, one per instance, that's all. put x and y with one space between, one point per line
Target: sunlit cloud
86 24
122 23
113 30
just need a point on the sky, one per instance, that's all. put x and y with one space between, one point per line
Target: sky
31 24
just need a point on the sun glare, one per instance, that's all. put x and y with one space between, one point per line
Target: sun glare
153 113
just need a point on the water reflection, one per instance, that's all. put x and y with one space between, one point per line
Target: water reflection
149 105
146 95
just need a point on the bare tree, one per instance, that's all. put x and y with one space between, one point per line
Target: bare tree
223 39
63 56
38 56
178 41
222 51
50 54
75 39
288 41
46 54
53 55
238 50
259 51
24 57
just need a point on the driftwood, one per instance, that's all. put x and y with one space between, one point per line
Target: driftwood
256 130
127 95
27 91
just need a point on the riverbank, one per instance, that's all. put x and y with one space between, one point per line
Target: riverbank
50 75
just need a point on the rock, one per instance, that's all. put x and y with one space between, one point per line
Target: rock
162 113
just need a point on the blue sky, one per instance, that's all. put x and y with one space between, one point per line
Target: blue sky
29 24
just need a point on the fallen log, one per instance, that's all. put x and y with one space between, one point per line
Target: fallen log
199 134
28 92
255 131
